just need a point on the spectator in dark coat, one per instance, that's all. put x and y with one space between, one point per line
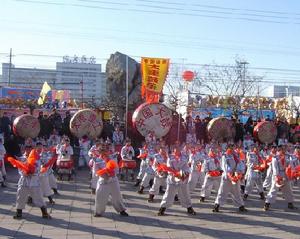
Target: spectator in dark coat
5 125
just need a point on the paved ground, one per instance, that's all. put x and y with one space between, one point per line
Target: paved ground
72 217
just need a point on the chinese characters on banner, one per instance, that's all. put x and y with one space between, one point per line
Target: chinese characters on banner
86 122
152 118
154 73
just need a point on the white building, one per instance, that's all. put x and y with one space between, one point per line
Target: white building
83 80
279 91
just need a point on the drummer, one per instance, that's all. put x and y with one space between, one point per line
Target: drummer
64 150
127 154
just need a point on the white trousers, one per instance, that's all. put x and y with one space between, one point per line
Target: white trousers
22 196
146 179
94 181
286 191
183 193
209 184
103 192
52 181
142 171
254 180
227 187
268 179
45 186
194 178
157 182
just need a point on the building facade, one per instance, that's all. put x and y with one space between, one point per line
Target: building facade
85 81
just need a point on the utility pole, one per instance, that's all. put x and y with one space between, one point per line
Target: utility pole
9 69
126 99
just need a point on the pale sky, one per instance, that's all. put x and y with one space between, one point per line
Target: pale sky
264 33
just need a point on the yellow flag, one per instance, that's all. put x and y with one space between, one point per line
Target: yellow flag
45 89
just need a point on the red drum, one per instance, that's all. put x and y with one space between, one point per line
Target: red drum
65 164
86 122
152 118
130 164
26 126
221 129
265 132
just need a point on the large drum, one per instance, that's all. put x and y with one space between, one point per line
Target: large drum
86 122
26 126
265 132
152 118
221 129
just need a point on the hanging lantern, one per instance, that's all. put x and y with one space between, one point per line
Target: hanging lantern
188 76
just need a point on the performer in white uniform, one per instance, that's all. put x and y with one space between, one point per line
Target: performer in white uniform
108 185
95 161
127 154
233 171
29 184
143 165
253 174
280 180
196 160
2 164
178 170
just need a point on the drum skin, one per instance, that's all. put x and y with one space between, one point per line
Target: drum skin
221 129
152 118
265 132
86 122
26 126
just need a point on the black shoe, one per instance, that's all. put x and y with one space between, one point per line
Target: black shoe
45 213
51 201
161 211
202 199
291 206
55 191
243 209
18 214
262 196
151 198
176 199
141 191
191 211
3 185
138 181
265 189
132 177
216 208
93 191
124 214
97 215
267 206
245 196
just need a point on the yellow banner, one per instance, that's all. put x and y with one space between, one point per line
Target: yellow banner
45 89
154 73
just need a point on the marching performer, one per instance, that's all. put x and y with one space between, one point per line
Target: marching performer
178 171
196 160
64 153
2 164
143 165
280 180
44 175
127 154
295 165
255 165
233 171
85 145
29 183
95 161
160 175
268 179
149 171
213 172
108 185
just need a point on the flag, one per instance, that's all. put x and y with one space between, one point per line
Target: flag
154 74
45 89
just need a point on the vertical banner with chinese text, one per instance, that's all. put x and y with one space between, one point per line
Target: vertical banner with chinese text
154 73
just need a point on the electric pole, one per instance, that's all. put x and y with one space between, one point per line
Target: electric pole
243 76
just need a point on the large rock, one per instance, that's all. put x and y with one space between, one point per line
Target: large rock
116 78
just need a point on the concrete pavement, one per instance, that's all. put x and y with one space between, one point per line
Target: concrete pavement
72 217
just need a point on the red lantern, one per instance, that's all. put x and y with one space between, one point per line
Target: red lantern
188 76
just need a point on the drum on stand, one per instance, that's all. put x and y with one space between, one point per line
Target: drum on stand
265 132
